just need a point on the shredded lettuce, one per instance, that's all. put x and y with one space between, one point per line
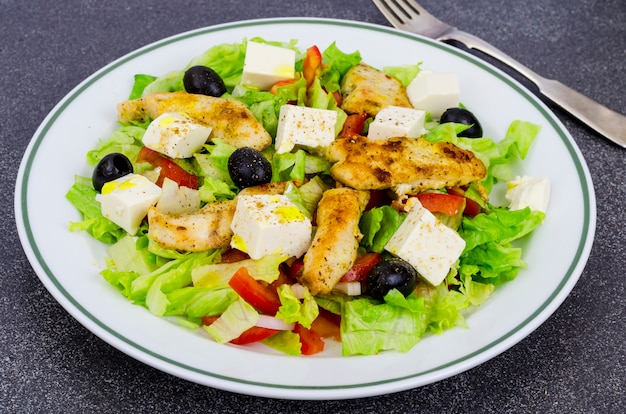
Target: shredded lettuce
368 330
236 319
378 225
293 310
82 195
404 73
489 255
196 302
287 342
337 63
218 274
126 140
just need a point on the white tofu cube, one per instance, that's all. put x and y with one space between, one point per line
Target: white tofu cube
528 191
175 135
427 244
266 223
396 121
125 201
434 92
264 65
310 128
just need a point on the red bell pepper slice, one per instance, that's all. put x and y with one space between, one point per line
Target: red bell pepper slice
312 343
169 169
260 297
442 203
278 84
361 267
311 64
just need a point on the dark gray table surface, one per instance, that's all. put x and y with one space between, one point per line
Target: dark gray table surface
575 362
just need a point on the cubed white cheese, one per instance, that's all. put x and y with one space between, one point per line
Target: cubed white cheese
525 191
177 199
310 128
427 244
175 135
125 201
434 92
264 65
266 223
396 121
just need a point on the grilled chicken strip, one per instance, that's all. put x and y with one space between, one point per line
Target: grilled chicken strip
334 247
406 165
230 120
204 229
368 90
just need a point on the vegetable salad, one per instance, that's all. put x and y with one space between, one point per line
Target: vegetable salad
240 300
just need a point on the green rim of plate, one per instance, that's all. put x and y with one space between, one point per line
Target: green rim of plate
587 192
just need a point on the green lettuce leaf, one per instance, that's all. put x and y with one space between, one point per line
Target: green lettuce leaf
196 302
368 328
236 319
82 195
218 275
337 63
404 73
378 225
293 310
287 342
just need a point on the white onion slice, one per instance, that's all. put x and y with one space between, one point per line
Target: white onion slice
298 290
348 288
270 322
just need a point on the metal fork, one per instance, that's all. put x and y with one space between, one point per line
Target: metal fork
408 15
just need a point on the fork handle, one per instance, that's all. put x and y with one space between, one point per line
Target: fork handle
603 120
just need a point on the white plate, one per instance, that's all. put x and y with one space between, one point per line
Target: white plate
69 263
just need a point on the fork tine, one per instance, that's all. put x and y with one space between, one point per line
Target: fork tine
409 15
391 12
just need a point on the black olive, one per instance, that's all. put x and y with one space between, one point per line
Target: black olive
110 167
463 116
204 81
391 274
248 167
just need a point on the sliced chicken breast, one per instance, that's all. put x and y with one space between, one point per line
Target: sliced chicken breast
230 120
334 247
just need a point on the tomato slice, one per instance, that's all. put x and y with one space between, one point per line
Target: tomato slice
472 208
361 267
250 335
327 324
260 297
353 125
311 64
312 342
169 169
254 334
208 320
442 203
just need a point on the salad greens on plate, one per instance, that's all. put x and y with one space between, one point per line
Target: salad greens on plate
239 300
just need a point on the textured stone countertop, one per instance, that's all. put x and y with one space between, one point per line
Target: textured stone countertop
575 362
